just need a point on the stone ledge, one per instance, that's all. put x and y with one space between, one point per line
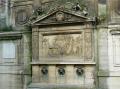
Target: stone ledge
10 35
109 73
57 86
77 62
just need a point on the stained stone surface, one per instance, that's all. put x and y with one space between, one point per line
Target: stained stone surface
62 50
65 37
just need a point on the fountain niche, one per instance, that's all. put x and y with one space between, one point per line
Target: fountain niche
63 51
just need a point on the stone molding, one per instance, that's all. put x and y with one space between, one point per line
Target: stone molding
10 35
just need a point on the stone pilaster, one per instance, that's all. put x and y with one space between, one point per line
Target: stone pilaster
35 45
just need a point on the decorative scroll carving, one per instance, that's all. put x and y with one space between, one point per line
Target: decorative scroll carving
60 17
80 7
63 45
73 5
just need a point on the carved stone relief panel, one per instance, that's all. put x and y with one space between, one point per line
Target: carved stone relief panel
63 45
75 46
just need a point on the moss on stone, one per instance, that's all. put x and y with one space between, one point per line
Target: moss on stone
6 29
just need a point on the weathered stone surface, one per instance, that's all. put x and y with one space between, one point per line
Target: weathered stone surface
11 81
114 14
103 49
65 40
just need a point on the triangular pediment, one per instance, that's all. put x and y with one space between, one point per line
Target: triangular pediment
60 17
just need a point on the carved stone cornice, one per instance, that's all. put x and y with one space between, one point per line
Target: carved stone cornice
61 17
115 32
62 11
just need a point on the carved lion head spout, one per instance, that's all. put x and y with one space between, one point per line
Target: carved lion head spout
61 71
44 70
79 71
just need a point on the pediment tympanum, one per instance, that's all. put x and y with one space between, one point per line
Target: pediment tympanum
60 17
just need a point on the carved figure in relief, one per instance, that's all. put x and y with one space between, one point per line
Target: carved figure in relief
64 43
69 45
78 45
45 46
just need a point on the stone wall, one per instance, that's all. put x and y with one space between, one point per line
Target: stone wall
108 49
17 73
